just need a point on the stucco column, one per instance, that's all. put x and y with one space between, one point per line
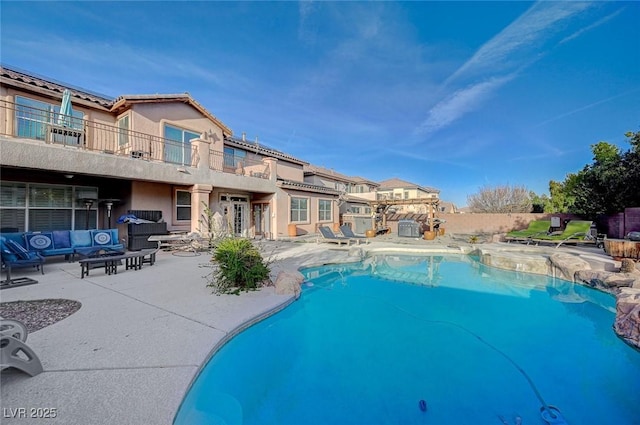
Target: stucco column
201 147
199 202
273 168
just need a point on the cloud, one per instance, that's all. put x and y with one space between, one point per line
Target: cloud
585 107
521 38
459 103
305 9
592 26
498 61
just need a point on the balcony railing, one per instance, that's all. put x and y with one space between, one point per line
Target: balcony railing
251 166
52 127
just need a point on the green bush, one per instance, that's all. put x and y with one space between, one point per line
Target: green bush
238 266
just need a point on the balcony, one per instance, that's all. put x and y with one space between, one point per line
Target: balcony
23 122
52 128
250 165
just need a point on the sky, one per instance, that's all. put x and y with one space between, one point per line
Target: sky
452 95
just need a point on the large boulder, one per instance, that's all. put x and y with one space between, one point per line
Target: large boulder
627 324
607 281
288 283
566 265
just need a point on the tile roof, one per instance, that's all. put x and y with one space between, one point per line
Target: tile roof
43 83
326 172
395 183
129 99
263 149
358 179
306 187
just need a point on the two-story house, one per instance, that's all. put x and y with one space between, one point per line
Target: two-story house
107 156
412 198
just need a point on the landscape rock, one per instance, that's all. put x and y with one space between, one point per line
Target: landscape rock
594 278
627 324
288 283
628 266
567 265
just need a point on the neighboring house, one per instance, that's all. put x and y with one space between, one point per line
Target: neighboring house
141 152
355 192
447 207
406 192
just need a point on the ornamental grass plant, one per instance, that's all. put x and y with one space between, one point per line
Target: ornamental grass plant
238 266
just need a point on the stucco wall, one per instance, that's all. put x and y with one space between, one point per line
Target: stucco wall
289 171
309 226
157 196
150 118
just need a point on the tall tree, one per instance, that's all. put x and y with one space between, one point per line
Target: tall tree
610 183
561 198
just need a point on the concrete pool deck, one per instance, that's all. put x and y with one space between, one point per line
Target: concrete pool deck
129 354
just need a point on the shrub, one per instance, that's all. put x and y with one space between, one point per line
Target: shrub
239 266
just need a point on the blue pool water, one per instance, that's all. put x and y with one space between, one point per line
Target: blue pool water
477 345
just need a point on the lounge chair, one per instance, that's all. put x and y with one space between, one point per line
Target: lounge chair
577 231
348 233
536 228
329 236
14 255
14 351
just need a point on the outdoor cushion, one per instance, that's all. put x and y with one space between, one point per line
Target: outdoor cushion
101 237
80 238
61 239
20 251
15 236
7 254
39 241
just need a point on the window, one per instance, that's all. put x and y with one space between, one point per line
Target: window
13 202
32 117
177 148
183 205
324 210
40 207
233 157
299 209
123 131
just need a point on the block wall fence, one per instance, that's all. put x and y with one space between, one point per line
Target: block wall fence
614 226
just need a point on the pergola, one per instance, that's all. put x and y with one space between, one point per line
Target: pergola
431 203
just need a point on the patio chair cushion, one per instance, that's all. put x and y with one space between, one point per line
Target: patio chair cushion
20 251
61 239
7 254
80 238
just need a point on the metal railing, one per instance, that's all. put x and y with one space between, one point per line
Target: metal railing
51 127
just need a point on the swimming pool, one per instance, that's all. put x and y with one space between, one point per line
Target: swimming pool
461 343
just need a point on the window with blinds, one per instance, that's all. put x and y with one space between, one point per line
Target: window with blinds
41 207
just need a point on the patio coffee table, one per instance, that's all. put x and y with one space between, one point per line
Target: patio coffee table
110 259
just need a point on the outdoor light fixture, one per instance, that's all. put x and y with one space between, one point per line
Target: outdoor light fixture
108 203
87 204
